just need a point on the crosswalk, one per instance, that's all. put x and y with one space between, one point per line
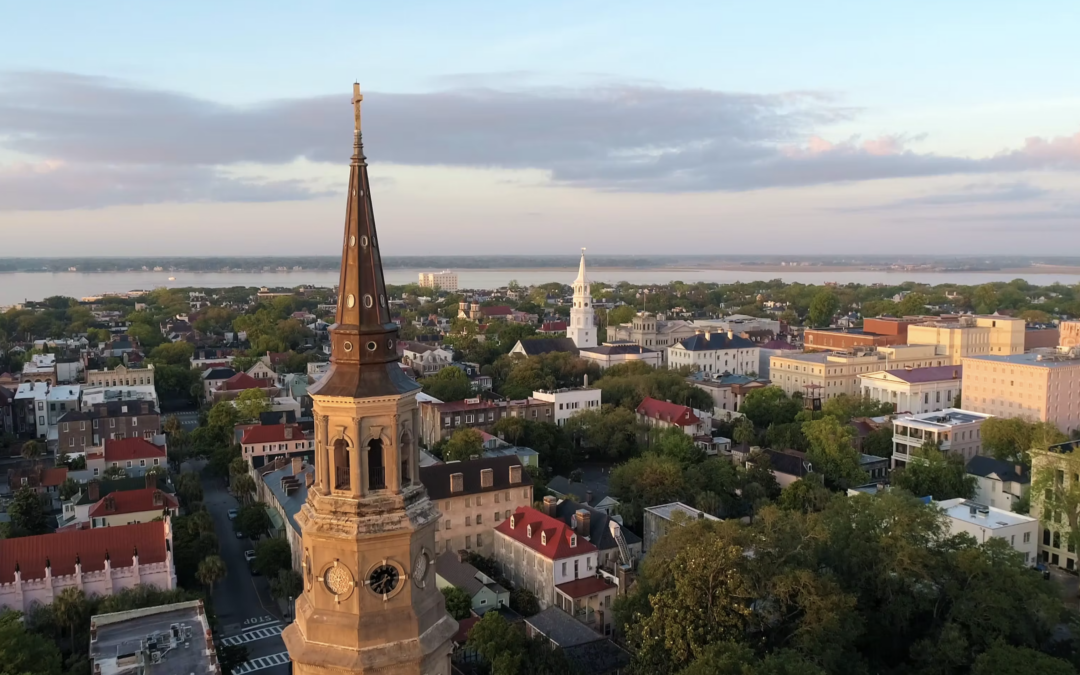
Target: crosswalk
261 663
251 635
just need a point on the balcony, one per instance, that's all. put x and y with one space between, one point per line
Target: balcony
341 478
377 478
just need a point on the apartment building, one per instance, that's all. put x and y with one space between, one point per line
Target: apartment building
570 401
983 522
263 443
474 497
972 336
120 376
914 390
831 374
444 280
80 430
1041 387
133 455
440 420
957 432
715 353
876 332
1057 543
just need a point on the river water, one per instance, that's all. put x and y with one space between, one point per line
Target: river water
16 287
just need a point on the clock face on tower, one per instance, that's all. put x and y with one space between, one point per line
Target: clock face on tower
383 580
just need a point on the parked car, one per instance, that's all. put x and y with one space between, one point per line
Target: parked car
239 534
232 514
249 555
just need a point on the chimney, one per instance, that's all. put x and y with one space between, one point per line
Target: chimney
487 477
581 522
515 474
955 374
586 379
550 504
159 498
1019 469
462 555
730 334
288 432
457 482
93 491
297 465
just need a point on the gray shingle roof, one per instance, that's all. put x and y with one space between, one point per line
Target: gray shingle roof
699 343
599 531
462 574
537 346
983 466
561 628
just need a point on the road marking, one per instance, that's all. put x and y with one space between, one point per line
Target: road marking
256 620
261 663
252 635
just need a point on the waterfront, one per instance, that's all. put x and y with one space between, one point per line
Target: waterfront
16 287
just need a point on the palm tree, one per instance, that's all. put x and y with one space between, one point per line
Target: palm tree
211 570
70 608
244 487
32 450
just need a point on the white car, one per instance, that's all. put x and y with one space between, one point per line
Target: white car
232 514
249 555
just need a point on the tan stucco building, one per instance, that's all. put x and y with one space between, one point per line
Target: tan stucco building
972 336
652 332
831 374
1033 386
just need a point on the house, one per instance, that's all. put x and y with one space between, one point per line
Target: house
214 378
474 496
76 511
955 431
423 359
477 312
452 570
241 382
727 390
59 400
441 420
117 347
262 371
569 401
40 368
715 353
29 411
659 520
100 562
613 353
133 455
914 390
552 328
124 507
42 480
283 486
81 430
588 650
1000 484
262 443
175 638
538 346
616 546
1021 532
558 564
594 497
665 415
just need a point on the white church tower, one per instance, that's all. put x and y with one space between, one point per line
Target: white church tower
582 328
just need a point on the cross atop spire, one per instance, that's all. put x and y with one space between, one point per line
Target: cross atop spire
363 360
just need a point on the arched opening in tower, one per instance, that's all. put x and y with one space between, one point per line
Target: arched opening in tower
376 470
341 464
406 453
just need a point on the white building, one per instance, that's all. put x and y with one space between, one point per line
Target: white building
445 280
582 326
956 432
613 353
984 522
1000 484
660 519
121 376
716 353
914 390
59 401
40 368
569 402
740 323
425 360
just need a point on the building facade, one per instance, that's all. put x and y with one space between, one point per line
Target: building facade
831 374
957 432
716 353
614 353
660 519
665 415
1032 386
81 430
983 522
652 332
441 420
972 336
120 376
444 280
565 403
914 390
999 484
582 328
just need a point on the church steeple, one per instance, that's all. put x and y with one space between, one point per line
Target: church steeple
582 328
363 338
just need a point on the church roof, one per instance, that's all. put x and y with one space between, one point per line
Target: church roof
364 357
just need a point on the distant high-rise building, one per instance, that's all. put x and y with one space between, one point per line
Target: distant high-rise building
445 280
582 327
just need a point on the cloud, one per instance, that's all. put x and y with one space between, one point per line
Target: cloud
638 137
974 193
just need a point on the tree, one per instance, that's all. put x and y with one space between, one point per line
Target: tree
610 430
287 584
832 454
524 602
646 481
238 467
69 489
114 473
71 609
913 304
465 443
27 512
273 555
879 442
251 403
808 495
1012 439
744 433
172 354
26 652
253 520
458 602
32 450
231 657
189 489
769 406
211 570
935 474
674 443
223 417
172 426
845 406
1055 493
244 487
449 384
823 308
1005 659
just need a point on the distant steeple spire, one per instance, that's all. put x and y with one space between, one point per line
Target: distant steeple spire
363 339
581 269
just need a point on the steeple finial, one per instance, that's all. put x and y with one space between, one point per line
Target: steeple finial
357 99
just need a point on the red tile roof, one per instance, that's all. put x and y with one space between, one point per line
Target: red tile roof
131 448
667 412
271 433
241 381
583 588
496 310
555 545
54 476
91 547
553 327
132 501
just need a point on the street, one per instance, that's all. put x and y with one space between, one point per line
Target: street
189 421
248 615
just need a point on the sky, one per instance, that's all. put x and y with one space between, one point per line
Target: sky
225 128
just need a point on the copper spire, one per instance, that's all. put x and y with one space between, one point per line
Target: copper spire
363 361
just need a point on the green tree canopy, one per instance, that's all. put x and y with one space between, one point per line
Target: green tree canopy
251 403
458 602
832 453
611 431
273 555
931 473
823 308
449 384
462 445
769 406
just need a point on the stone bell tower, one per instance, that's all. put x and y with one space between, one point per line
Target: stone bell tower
370 603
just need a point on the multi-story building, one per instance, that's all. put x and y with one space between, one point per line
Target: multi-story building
80 430
477 312
133 455
957 432
831 374
715 353
999 484
983 522
740 323
767 350
441 420
582 329
665 415
616 546
660 519
971 336
76 511
570 401
444 280
1069 334
1057 545
283 486
174 638
424 359
875 332
653 332
101 561
474 496
613 353
556 563
40 368
1042 387
728 391
914 390
132 506
263 443
121 376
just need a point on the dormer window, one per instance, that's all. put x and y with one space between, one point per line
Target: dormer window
528 532
573 540
513 521
543 538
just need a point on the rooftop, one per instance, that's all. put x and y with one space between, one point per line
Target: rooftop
610 349
983 466
463 575
718 340
90 547
668 511
289 494
941 419
982 515
133 501
561 628
921 375
1040 360
583 588
548 536
272 433
436 479
668 412
122 641
120 450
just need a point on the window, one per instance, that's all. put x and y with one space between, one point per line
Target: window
498 516
66 426
156 460
479 519
447 521
564 568
128 464
468 521
1027 537
468 541
142 462
496 497
112 424
479 500
71 442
